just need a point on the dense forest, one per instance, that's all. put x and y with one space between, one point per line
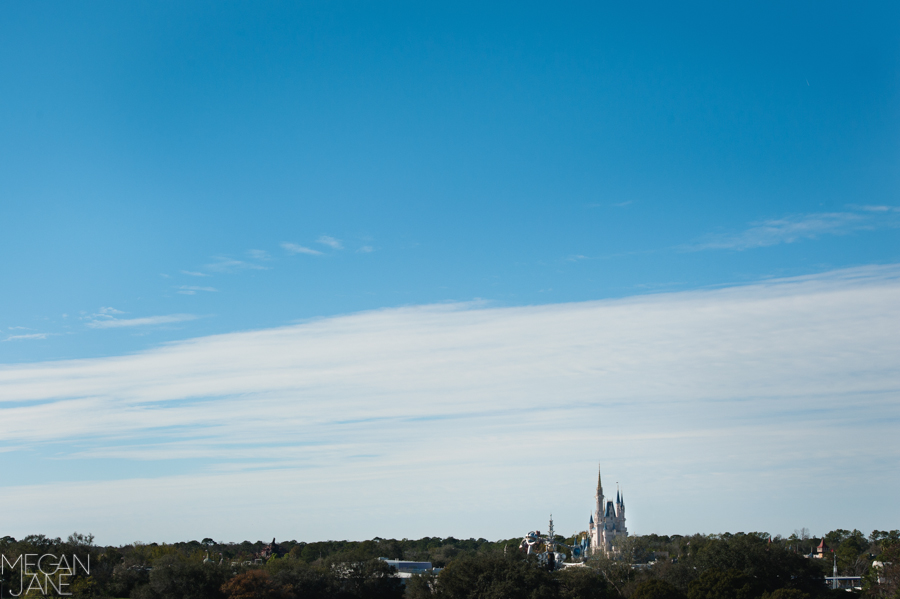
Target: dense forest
726 566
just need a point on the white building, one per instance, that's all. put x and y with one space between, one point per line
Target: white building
406 569
607 522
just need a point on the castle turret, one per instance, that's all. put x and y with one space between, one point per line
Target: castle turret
608 520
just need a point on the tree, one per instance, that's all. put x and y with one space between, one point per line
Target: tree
616 572
174 577
882 538
721 584
304 580
785 594
85 587
370 579
496 577
852 553
883 580
76 539
254 584
657 589
583 583
767 566
130 573
421 586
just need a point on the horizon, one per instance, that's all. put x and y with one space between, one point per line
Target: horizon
777 536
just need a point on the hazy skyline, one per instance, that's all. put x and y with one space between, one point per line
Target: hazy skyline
385 269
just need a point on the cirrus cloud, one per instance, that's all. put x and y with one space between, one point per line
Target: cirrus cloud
293 248
331 242
116 323
717 399
798 227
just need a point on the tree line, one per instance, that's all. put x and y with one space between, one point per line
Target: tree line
726 566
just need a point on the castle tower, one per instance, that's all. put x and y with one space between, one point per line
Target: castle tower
607 522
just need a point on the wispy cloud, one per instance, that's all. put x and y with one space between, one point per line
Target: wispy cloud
226 264
882 208
794 228
366 249
330 242
27 336
440 412
194 273
293 248
193 289
115 323
259 254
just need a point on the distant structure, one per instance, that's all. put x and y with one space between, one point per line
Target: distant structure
545 547
607 522
270 550
406 569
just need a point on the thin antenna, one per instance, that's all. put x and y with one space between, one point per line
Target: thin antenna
834 580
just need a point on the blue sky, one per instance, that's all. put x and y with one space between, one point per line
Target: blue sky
176 172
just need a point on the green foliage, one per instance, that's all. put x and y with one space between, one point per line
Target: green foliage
496 577
768 566
785 594
738 566
617 572
883 581
438 551
421 586
86 587
721 584
884 538
370 579
175 577
584 583
657 589
303 580
254 584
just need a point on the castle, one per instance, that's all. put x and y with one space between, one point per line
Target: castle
607 522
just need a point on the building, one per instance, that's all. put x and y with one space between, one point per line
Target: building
607 522
406 569
550 557
845 583
270 550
